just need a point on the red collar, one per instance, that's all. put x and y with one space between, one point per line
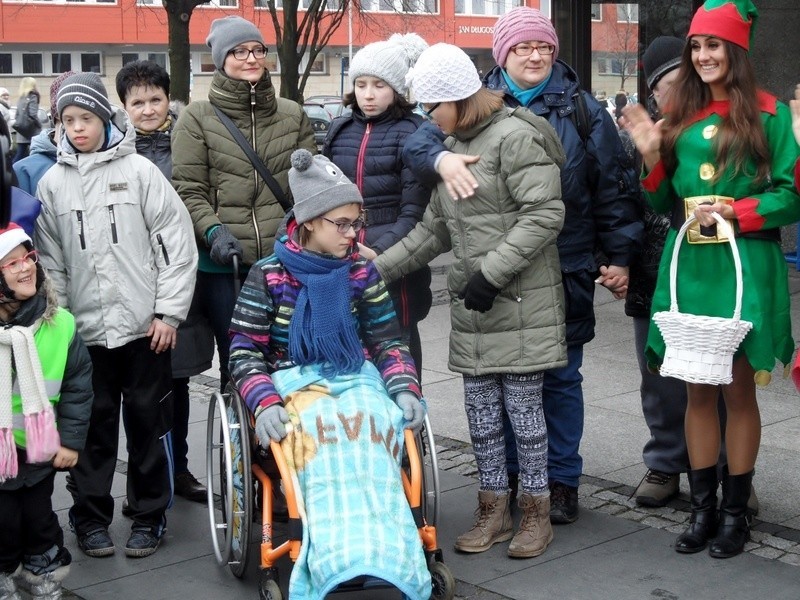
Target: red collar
766 103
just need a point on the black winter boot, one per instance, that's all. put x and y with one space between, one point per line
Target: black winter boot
703 522
734 522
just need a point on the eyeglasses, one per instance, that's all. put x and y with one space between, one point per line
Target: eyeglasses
344 226
18 264
258 53
527 49
428 114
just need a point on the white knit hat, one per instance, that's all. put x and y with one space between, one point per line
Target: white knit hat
11 237
389 60
443 73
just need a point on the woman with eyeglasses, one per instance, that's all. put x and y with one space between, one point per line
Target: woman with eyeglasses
314 341
234 212
506 298
368 146
602 213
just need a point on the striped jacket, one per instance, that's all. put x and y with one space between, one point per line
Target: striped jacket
260 329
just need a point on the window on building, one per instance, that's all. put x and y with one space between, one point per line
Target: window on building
6 66
218 4
627 13
90 62
597 12
61 61
160 58
486 7
129 57
207 63
32 64
614 66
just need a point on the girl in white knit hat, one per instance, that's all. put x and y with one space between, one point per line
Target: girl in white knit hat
45 403
367 146
507 304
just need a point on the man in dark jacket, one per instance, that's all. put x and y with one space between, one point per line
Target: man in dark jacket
143 87
602 213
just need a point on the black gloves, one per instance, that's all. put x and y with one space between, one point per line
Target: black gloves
479 294
224 246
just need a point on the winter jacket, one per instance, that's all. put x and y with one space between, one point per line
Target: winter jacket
369 152
31 104
213 175
194 347
602 210
42 156
74 407
508 232
116 240
260 327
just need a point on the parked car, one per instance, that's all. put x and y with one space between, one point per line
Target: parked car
333 104
320 121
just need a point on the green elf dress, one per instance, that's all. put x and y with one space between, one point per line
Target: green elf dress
706 279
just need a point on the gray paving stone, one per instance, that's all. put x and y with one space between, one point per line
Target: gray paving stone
767 552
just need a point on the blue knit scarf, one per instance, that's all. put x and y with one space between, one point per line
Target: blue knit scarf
322 330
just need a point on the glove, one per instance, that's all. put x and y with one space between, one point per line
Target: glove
224 246
479 294
413 411
270 424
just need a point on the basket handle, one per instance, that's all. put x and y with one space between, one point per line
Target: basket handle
673 266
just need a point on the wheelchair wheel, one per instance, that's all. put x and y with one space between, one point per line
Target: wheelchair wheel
228 470
268 589
430 474
443 582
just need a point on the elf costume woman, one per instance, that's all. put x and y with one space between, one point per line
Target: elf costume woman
724 147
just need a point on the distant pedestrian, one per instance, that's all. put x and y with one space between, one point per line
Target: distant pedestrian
506 299
117 242
47 384
726 148
143 87
26 120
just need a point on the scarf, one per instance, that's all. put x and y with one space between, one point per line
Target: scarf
525 97
164 127
321 329
42 441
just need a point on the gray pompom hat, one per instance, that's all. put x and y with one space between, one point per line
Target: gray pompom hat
389 60
318 186
227 33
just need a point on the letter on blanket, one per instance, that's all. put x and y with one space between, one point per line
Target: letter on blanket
323 430
352 425
377 438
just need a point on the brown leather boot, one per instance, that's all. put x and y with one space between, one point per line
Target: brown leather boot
535 531
493 525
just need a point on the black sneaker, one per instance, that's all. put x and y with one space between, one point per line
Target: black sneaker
142 542
97 543
563 503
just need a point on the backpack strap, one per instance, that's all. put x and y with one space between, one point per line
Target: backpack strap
580 116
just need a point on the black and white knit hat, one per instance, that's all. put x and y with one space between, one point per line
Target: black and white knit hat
389 60
87 91
662 55
318 186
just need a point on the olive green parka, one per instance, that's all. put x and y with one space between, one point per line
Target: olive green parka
508 231
213 175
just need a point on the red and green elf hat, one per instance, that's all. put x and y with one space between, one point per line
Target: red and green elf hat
731 20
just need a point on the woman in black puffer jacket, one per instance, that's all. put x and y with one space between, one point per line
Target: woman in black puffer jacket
368 147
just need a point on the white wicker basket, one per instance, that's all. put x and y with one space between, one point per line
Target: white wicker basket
699 349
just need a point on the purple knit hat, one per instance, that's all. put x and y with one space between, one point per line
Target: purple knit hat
521 24
54 88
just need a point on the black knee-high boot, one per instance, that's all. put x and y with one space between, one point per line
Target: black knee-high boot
734 523
703 522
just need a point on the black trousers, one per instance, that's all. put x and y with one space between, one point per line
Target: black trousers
28 525
139 380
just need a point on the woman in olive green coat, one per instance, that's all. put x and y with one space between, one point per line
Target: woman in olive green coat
507 306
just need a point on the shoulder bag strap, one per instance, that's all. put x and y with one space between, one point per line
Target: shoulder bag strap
254 158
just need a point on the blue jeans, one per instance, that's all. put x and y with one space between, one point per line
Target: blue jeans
215 297
563 413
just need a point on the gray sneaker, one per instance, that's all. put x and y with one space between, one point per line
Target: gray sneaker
657 489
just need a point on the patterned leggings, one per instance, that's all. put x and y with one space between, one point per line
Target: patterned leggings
484 396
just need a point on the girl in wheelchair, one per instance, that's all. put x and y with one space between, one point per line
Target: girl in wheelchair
317 358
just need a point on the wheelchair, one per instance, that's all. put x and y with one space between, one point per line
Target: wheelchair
234 474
